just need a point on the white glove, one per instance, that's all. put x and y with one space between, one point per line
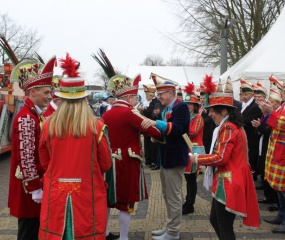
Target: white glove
37 195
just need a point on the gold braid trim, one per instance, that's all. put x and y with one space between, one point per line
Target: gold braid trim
134 155
118 154
101 134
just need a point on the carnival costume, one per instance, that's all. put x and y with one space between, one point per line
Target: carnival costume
26 172
74 193
174 156
124 124
232 184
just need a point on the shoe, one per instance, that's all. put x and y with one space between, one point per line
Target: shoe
259 187
279 229
152 165
155 168
265 200
187 209
158 232
112 236
273 220
166 236
273 208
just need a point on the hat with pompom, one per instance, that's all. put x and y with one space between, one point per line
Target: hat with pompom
71 85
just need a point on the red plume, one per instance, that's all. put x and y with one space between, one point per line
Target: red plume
70 66
189 89
210 87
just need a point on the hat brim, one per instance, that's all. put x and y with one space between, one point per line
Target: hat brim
71 96
223 105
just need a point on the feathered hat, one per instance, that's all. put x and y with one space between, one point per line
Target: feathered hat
218 97
122 85
163 84
30 73
71 85
190 94
209 88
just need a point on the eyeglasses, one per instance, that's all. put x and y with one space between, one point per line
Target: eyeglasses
159 94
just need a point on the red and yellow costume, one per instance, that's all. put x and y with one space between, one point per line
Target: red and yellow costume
81 185
124 124
275 158
232 183
25 163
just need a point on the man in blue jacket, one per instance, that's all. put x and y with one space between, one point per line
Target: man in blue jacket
174 154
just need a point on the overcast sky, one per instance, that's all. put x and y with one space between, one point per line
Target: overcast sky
128 30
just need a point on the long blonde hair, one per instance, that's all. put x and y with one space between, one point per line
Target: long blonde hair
73 117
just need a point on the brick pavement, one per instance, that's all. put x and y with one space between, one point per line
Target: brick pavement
149 215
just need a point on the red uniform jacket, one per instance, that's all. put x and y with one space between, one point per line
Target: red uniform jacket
25 158
74 173
49 111
124 124
233 183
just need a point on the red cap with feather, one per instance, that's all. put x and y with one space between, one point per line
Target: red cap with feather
190 94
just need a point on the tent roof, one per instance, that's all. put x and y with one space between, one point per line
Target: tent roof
264 59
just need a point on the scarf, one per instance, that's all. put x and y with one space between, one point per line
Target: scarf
209 173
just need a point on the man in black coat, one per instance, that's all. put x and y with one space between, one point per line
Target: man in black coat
250 111
150 148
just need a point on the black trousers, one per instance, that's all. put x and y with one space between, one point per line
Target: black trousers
222 221
28 228
191 188
147 149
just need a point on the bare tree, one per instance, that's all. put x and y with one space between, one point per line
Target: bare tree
199 34
22 41
176 62
153 60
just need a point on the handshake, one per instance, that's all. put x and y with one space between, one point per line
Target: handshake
37 195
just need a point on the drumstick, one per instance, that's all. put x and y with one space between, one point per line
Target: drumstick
187 140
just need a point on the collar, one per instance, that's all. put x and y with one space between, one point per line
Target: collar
122 103
54 106
35 109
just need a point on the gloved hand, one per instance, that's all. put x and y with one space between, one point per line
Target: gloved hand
37 195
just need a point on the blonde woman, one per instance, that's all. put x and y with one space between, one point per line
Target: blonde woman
74 151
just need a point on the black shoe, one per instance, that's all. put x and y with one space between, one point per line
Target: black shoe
155 168
273 208
187 209
112 236
259 187
265 200
279 229
273 220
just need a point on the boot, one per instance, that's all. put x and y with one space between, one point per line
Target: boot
187 209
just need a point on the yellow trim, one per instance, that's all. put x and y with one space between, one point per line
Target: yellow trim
101 134
72 95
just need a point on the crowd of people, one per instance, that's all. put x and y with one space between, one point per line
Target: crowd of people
67 161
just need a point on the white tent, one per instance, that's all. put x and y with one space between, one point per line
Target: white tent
264 59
